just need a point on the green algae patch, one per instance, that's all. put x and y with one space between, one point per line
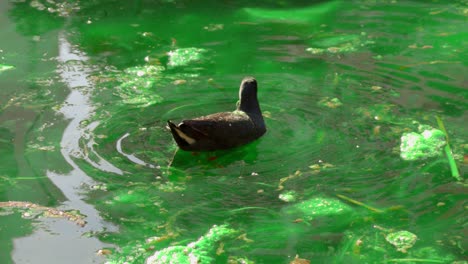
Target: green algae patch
201 251
130 198
4 67
318 207
32 210
426 143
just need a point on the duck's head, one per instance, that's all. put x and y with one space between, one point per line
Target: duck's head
248 88
248 101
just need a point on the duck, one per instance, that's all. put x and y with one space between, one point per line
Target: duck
223 130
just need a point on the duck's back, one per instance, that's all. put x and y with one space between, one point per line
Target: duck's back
222 130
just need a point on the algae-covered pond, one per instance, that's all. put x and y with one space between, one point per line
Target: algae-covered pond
364 159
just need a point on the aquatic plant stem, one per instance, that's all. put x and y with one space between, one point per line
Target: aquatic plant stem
448 151
359 203
452 163
416 260
172 158
251 208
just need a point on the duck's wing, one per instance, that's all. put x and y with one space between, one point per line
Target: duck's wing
222 126
217 131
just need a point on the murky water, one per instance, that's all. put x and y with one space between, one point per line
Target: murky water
87 89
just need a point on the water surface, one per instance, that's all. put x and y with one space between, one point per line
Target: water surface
87 88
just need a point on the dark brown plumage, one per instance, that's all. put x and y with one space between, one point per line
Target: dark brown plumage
226 129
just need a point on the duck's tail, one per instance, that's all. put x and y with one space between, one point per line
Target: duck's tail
181 138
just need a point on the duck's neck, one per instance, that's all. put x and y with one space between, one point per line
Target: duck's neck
250 106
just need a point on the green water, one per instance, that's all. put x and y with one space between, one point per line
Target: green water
86 89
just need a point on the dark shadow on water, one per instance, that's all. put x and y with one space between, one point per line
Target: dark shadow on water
187 163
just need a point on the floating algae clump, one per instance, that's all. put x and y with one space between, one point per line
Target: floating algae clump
319 207
4 67
183 57
289 196
201 251
425 144
402 240
337 44
330 103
